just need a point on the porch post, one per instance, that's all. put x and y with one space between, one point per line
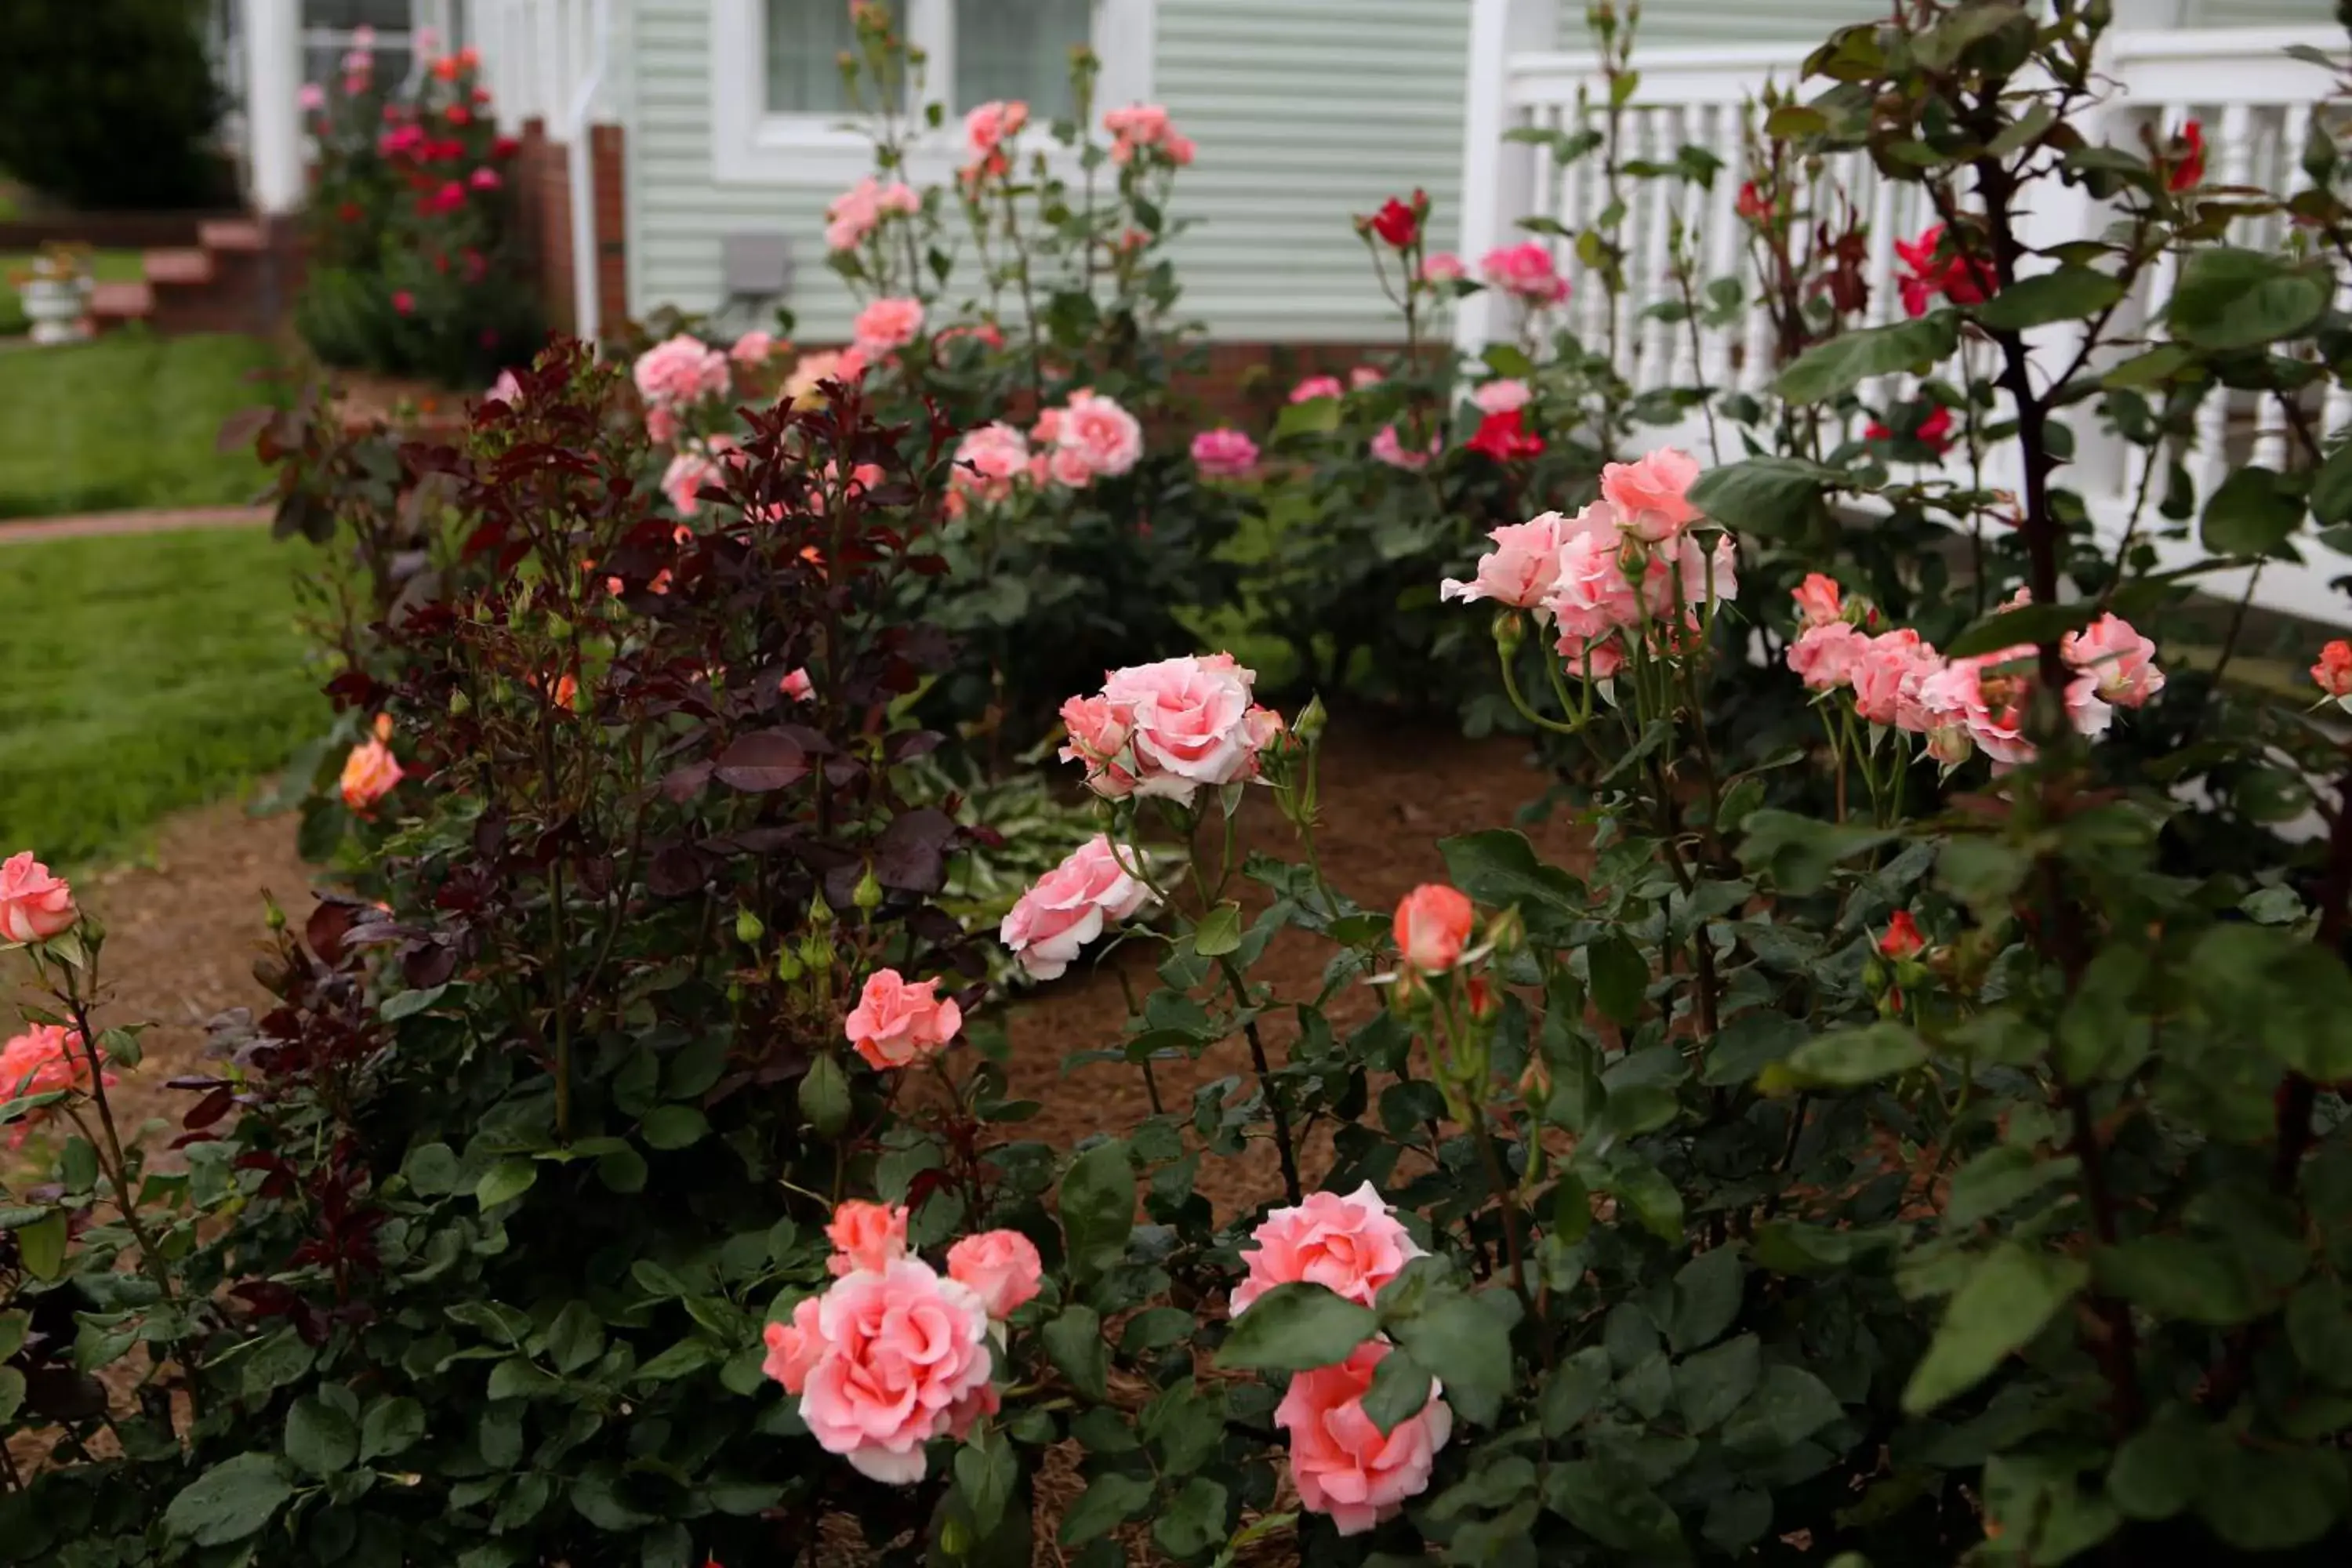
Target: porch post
273 112
1496 175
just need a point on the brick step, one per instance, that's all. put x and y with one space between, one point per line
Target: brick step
181 269
232 235
114 304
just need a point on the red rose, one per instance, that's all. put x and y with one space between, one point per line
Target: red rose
1505 437
1752 204
457 114
2189 172
504 147
1397 223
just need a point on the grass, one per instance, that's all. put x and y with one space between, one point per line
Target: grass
145 674
106 266
128 420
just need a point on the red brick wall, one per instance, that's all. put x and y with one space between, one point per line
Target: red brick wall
543 191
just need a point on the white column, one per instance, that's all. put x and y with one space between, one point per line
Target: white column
1496 175
586 301
273 111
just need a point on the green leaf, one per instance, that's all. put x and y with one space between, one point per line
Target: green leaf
1500 868
1797 853
1655 1202
1074 1343
2229 298
41 1245
2001 1176
596 1495
12 1392
1316 416
1713 1383
1621 976
1466 1341
431 1170
14 1327
1751 1042
2273 1498
1844 1059
1763 496
1707 1299
2008 1298
674 1127
2027 624
825 1097
1400 1387
2319 1327
688 1355
1830 370
2252 513
2145 370
1193 1521
2160 1469
1108 1501
575 1338
505 1181
1789 1404
1097 1205
986 1471
2174 1276
518 1378
2331 487
320 1437
1220 931
1297 1328
2068 294
390 1426
230 1501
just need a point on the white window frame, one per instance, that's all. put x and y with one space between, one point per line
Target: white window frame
750 146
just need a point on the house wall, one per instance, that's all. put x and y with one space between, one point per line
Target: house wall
1692 22
1306 111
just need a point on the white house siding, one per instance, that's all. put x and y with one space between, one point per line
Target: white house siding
1683 22
1305 111
2260 13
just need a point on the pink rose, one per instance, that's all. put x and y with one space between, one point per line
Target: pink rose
312 97
1070 906
1442 267
753 349
1363 376
1520 569
1703 576
1349 1245
369 774
2121 662
1141 126
1432 922
1525 271
404 301
1002 1268
680 372
989 461
793 1347
1106 436
797 686
2333 673
44 1059
505 390
905 1359
34 905
1224 454
693 467
1068 467
1098 731
1388 448
988 127
896 1022
1315 387
886 324
851 215
1985 696
1501 396
1591 659
484 179
1651 495
1591 596
1887 671
1825 656
865 1235
1818 600
1193 723
1342 1464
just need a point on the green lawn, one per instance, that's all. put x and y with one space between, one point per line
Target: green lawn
143 673
128 420
106 266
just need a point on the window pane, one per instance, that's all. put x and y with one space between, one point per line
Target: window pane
1019 48
806 40
383 16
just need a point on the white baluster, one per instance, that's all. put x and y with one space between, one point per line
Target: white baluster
1650 279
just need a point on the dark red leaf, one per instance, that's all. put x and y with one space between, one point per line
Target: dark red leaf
762 761
683 784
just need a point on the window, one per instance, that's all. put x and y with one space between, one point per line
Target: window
778 101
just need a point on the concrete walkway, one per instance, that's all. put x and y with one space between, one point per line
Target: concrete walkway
23 531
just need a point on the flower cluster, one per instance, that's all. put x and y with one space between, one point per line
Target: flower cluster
1093 888
1936 269
1526 271
1625 567
1958 706
886 325
1342 1463
676 375
1166 730
988 133
859 210
1145 129
1224 454
894 1353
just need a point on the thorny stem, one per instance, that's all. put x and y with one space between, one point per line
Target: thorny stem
1274 1108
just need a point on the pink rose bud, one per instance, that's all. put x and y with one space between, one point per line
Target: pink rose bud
1432 925
1819 600
1002 1268
34 905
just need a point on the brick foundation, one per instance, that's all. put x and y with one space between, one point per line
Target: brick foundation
543 194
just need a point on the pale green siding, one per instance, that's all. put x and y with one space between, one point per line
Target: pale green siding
1684 22
2260 13
1305 111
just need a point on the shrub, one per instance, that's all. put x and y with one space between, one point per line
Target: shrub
112 106
414 236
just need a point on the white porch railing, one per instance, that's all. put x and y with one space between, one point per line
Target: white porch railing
2252 100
